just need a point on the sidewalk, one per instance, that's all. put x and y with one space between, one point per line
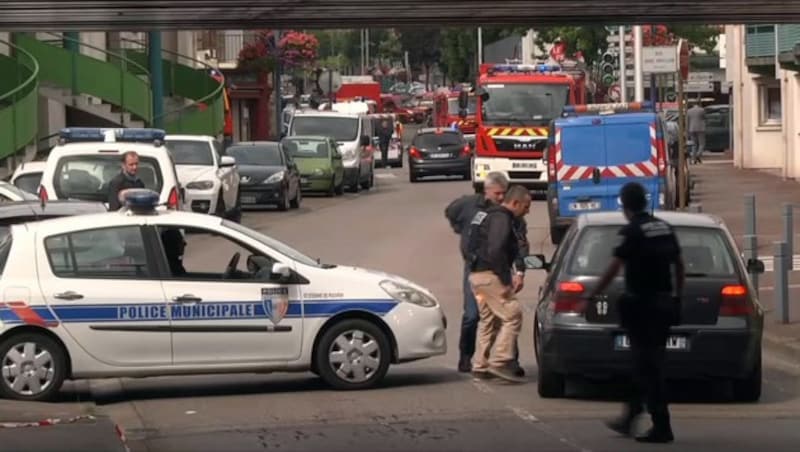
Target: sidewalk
721 189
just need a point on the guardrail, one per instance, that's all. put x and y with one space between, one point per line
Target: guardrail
204 114
19 105
116 80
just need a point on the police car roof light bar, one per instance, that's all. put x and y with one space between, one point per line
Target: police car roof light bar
141 200
98 134
618 107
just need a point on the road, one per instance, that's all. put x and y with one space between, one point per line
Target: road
399 227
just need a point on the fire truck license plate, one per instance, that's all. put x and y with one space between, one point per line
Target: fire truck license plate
523 165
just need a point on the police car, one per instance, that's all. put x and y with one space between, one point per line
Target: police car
86 159
141 292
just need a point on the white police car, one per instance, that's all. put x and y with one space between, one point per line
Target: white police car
142 292
87 158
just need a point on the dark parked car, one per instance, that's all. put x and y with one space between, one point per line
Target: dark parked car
439 152
268 175
26 211
718 131
719 336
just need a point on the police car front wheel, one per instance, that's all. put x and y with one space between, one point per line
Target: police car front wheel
33 367
353 354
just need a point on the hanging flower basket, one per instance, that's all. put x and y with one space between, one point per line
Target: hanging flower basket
295 50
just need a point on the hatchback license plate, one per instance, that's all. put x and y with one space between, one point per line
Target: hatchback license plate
248 199
440 155
584 205
673 342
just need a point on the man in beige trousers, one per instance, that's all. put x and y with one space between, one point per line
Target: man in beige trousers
493 247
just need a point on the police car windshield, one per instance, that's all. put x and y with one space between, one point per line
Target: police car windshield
276 245
86 177
341 128
452 105
523 104
705 251
191 152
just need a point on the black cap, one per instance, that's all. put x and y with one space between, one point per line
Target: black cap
634 197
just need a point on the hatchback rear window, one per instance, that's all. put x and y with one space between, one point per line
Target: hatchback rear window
706 251
431 140
87 177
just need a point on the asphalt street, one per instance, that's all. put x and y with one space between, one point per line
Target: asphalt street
399 227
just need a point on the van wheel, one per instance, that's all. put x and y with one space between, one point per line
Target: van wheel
353 354
556 234
34 367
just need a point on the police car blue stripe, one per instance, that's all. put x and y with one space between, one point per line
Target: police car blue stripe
227 310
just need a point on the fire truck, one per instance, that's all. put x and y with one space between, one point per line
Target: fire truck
515 104
446 114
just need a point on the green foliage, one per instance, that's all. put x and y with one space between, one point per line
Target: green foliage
423 46
701 36
591 40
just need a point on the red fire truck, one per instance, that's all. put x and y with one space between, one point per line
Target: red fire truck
514 108
447 114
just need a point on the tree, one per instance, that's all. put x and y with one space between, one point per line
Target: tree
423 47
700 36
459 46
589 40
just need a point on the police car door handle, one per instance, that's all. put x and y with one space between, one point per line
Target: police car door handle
68 295
186 298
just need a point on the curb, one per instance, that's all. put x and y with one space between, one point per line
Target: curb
788 347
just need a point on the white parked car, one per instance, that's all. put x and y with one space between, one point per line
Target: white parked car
141 292
11 193
210 178
86 159
28 175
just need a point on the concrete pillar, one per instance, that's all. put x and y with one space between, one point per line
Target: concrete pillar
156 77
4 49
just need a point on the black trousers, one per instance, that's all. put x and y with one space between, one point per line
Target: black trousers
384 153
648 353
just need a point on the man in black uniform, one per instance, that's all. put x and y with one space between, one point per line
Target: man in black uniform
651 304
385 133
125 180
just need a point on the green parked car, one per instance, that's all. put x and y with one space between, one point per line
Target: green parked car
319 161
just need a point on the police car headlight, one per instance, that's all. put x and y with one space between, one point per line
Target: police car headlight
401 292
277 177
200 185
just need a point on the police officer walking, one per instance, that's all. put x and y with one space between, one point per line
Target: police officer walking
650 252
460 213
493 247
126 179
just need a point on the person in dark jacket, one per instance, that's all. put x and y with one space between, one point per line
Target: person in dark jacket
125 180
385 133
651 255
493 248
459 213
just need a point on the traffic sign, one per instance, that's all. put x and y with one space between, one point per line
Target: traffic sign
330 80
659 60
698 87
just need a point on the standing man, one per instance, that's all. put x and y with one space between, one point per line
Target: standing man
460 213
696 118
384 138
649 250
493 248
125 180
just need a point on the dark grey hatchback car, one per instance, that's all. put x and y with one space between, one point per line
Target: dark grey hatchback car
721 323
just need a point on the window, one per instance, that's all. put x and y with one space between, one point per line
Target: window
342 128
259 155
276 245
87 177
98 253
769 99
705 251
29 182
189 152
200 254
432 140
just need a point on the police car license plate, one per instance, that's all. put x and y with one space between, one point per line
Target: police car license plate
673 342
584 205
248 199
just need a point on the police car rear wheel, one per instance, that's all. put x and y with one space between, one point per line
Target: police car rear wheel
353 354
33 367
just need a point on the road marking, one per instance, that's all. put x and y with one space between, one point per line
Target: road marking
481 386
771 288
523 414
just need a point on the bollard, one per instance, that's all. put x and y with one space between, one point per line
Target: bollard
781 282
750 214
751 252
788 235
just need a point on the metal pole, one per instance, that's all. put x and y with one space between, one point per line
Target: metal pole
330 89
366 48
408 67
682 177
751 252
276 82
781 281
480 48
156 77
623 78
653 92
638 81
788 234
750 214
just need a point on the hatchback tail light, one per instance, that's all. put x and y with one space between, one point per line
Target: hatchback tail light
735 302
43 194
466 150
569 298
414 153
173 199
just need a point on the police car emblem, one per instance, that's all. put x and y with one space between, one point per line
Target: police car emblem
276 303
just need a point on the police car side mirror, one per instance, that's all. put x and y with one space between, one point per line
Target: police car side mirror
536 262
281 270
755 266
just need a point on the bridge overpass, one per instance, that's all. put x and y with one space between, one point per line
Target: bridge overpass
36 15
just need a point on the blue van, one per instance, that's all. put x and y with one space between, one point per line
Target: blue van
596 149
